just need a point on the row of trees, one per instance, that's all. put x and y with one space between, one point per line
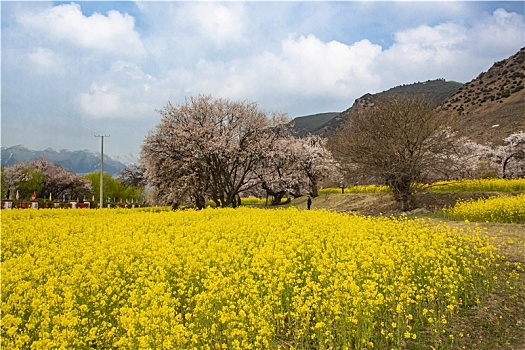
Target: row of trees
49 179
221 150
216 149
43 178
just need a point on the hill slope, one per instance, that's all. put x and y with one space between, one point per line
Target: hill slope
436 90
301 126
488 108
492 106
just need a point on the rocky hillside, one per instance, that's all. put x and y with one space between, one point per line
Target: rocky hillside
492 106
488 108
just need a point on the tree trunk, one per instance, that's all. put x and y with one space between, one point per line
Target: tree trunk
314 191
200 201
277 197
402 189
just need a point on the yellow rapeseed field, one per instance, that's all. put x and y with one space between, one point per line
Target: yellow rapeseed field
479 185
503 209
231 279
456 186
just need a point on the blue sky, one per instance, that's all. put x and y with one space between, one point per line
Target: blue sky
71 70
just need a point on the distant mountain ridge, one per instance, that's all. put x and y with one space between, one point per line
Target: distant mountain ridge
81 162
301 126
437 91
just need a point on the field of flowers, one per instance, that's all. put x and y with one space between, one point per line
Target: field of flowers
457 186
480 185
232 279
503 209
356 189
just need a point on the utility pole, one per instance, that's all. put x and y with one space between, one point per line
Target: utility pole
101 169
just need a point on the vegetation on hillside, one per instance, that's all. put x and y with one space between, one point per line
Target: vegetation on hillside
503 79
436 91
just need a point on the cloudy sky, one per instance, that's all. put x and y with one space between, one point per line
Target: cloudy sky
71 70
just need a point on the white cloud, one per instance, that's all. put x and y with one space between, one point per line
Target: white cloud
101 102
129 70
219 23
113 33
501 31
314 66
45 61
116 68
423 53
124 92
305 67
450 50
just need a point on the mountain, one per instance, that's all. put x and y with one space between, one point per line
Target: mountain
81 162
488 109
437 90
127 159
492 106
301 126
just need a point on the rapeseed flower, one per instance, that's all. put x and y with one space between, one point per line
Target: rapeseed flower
230 278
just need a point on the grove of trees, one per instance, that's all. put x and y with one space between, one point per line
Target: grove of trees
116 188
218 149
47 179
43 178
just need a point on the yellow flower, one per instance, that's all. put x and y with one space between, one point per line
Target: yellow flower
237 278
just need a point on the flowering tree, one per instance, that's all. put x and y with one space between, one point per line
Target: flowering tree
45 178
473 160
506 160
217 149
277 172
206 148
315 161
293 166
132 176
511 156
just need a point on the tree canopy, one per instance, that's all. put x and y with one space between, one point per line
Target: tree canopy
400 141
219 149
45 178
115 188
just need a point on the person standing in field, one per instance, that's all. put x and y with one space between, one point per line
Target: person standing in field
309 202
